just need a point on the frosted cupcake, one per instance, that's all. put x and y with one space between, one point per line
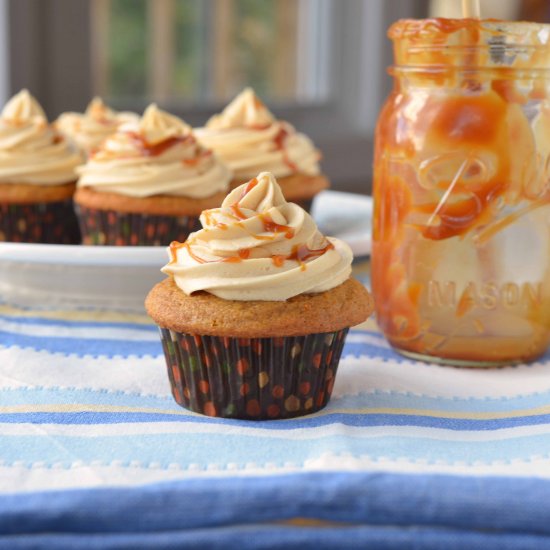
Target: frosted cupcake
148 183
89 129
250 139
256 308
37 176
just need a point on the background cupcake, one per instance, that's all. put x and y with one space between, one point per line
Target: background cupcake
37 176
249 139
256 309
88 130
148 183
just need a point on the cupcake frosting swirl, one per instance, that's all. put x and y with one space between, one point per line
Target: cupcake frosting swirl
249 138
157 156
88 130
257 246
31 151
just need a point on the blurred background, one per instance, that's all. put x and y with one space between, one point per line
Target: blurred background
321 64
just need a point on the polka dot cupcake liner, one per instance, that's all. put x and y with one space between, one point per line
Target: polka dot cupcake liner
108 227
252 378
49 223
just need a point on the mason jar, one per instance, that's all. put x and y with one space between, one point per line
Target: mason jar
461 231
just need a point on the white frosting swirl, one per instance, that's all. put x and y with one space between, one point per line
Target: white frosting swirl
258 247
158 156
31 151
88 130
249 139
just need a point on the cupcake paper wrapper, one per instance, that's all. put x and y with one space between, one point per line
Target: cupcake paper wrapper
127 229
49 222
252 378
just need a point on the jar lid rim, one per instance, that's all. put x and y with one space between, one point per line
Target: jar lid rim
439 28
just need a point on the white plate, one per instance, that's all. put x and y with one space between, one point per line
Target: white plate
79 276
121 276
347 216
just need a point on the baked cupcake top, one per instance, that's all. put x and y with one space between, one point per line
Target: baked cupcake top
257 246
31 151
250 139
157 156
88 130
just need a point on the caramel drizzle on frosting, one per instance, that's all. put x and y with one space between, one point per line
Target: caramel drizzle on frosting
279 141
156 149
243 254
202 154
300 253
238 212
147 149
249 186
272 227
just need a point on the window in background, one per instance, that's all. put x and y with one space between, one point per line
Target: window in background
319 64
4 69
197 51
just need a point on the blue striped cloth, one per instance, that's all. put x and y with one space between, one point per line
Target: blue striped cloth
94 453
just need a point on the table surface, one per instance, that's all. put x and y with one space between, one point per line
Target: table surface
94 452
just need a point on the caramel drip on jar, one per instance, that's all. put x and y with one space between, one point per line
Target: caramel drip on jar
458 159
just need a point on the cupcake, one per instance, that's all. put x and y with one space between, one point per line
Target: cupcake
89 129
255 310
148 183
37 176
249 139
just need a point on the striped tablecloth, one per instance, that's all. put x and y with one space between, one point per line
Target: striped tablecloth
94 453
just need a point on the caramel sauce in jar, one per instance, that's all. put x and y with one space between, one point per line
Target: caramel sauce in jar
461 231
